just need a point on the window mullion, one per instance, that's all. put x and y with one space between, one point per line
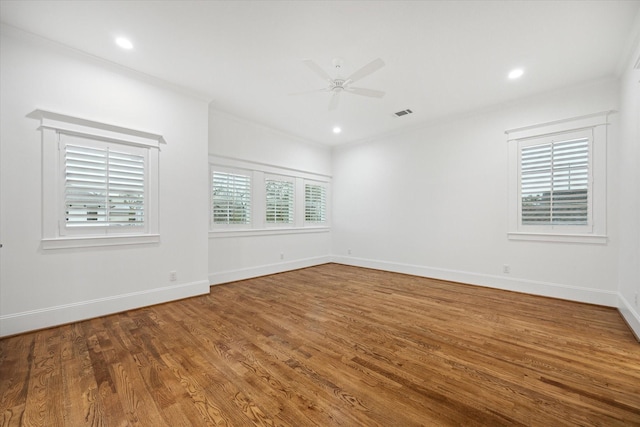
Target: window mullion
553 186
107 205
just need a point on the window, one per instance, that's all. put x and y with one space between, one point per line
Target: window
103 187
557 180
280 201
249 198
315 203
231 198
99 183
554 182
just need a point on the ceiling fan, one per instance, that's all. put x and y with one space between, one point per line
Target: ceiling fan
339 84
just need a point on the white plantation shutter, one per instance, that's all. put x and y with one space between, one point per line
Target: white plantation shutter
315 203
231 198
280 201
554 183
103 187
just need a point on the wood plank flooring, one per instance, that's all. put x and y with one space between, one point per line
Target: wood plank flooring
330 345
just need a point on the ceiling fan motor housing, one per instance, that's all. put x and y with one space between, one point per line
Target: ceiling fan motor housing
337 85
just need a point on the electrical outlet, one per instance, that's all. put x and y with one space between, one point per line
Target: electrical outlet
281 255
173 275
506 269
349 251
635 299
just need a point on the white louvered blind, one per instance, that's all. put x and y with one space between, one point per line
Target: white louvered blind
231 198
315 203
103 187
279 207
554 183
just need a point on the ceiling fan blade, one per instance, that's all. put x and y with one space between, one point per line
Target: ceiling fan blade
333 103
317 69
371 67
366 92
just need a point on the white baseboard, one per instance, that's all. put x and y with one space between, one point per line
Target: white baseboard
17 323
631 316
263 270
554 290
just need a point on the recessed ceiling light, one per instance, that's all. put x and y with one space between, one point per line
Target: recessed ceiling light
337 129
515 74
124 43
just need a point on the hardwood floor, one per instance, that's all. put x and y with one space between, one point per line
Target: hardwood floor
330 346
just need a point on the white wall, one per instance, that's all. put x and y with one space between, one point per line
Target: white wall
629 212
245 255
44 288
432 201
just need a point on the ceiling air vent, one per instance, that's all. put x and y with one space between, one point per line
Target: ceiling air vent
402 113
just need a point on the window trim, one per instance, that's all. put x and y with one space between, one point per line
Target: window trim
51 124
595 232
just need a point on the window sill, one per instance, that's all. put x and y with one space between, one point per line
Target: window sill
562 238
249 232
97 241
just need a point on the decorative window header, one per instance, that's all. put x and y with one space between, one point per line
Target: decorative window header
83 127
558 126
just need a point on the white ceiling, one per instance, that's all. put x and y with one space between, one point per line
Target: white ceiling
442 57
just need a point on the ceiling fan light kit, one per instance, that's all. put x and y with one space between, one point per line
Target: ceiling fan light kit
338 84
